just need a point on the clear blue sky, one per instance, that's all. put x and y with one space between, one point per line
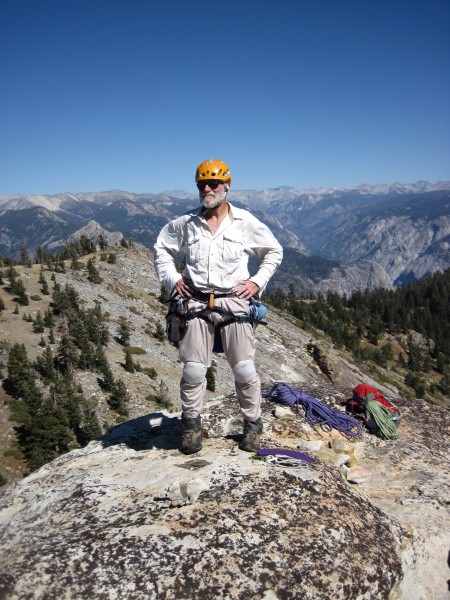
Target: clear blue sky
133 94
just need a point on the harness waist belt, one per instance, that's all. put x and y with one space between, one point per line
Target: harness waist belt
210 296
206 295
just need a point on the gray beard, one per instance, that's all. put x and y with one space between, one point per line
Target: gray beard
212 202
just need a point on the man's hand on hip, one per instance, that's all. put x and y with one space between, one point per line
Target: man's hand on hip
182 289
245 289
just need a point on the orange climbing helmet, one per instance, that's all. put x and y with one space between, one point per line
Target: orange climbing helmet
213 169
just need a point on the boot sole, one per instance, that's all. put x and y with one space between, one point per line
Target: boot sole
190 450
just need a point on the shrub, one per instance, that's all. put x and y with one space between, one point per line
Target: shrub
135 350
150 371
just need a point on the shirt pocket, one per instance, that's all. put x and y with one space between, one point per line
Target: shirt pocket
233 246
194 250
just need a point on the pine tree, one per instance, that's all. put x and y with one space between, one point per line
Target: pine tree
414 357
38 323
86 356
44 287
119 398
60 266
87 246
24 259
104 368
39 255
65 300
21 375
51 336
90 426
69 397
67 354
45 365
124 332
49 319
278 299
102 243
75 264
129 365
12 275
46 436
97 328
18 289
93 272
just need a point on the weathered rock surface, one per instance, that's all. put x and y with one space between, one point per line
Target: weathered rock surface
130 517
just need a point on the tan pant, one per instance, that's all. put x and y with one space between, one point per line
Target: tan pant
237 341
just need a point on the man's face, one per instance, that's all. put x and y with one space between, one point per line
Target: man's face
211 193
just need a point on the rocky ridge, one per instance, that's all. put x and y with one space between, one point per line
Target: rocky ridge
129 516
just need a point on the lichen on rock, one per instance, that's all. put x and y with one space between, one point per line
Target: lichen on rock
130 517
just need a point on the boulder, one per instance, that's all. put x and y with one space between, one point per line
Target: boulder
128 516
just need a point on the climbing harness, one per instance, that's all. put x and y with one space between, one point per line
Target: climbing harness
179 315
280 457
316 413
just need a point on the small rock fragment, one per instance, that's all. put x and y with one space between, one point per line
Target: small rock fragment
342 459
181 493
357 475
311 445
340 445
281 412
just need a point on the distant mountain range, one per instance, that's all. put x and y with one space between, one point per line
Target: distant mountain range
340 239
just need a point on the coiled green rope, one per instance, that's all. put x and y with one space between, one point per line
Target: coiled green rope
383 419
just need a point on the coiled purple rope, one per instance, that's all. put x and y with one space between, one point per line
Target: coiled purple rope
316 413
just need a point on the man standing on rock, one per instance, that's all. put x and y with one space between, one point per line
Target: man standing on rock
215 294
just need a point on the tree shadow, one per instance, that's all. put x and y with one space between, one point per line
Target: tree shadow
155 430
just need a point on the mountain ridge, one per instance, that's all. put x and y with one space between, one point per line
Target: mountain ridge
381 235
383 188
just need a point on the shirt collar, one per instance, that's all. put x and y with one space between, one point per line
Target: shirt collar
233 212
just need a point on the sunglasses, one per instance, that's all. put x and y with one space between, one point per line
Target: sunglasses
212 183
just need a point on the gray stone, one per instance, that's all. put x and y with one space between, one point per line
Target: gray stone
130 517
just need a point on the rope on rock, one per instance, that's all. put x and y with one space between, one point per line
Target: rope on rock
272 455
316 413
383 418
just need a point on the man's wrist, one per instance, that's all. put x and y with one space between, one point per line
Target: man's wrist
256 283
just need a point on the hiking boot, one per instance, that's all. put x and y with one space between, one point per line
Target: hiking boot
191 436
252 435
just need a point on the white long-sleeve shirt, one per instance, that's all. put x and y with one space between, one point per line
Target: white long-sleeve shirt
216 261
